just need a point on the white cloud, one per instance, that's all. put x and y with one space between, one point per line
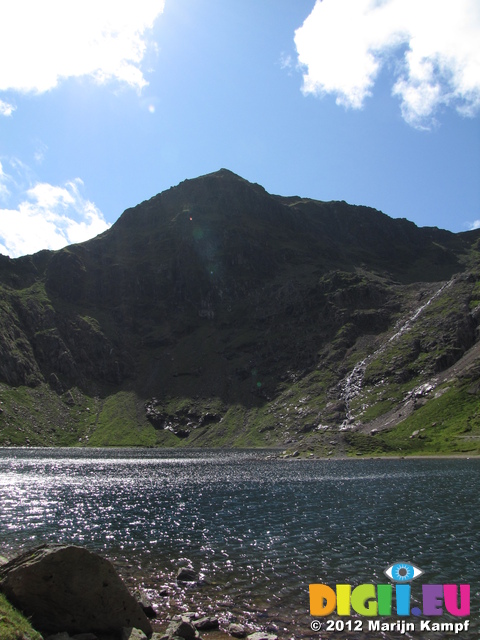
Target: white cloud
343 44
6 109
474 225
42 43
50 217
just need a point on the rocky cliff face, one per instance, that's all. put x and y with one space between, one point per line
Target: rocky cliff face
216 313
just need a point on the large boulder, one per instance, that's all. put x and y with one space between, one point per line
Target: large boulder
68 588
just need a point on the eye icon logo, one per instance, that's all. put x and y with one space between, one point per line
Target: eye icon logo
402 572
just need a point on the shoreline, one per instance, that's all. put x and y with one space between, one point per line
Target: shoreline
269 450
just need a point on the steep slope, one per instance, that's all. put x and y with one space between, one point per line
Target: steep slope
218 314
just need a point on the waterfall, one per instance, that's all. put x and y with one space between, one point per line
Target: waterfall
352 384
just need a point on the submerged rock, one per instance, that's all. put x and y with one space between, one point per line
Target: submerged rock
181 629
145 603
186 574
207 623
237 630
68 588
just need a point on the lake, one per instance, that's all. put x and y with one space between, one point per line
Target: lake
257 529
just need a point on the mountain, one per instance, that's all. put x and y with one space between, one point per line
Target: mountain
217 314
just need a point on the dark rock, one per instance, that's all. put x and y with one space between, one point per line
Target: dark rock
209 418
55 383
237 630
189 616
272 628
206 624
68 588
129 633
69 399
181 433
181 629
185 574
145 603
155 416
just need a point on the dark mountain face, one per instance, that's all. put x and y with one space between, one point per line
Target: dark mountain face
216 313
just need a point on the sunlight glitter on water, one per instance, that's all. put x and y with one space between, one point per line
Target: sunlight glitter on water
259 529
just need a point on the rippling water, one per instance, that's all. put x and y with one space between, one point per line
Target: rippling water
258 529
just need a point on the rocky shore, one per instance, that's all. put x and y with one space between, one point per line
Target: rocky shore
70 593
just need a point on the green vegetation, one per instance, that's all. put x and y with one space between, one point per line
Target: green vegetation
40 417
13 626
447 424
120 423
475 299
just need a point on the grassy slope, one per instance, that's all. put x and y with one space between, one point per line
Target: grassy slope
13 626
447 424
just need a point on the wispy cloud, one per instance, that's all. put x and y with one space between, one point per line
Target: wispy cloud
47 217
4 192
6 109
40 151
433 47
42 43
474 225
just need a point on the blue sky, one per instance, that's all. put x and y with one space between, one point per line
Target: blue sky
104 103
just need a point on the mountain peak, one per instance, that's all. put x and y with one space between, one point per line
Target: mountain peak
221 176
224 173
